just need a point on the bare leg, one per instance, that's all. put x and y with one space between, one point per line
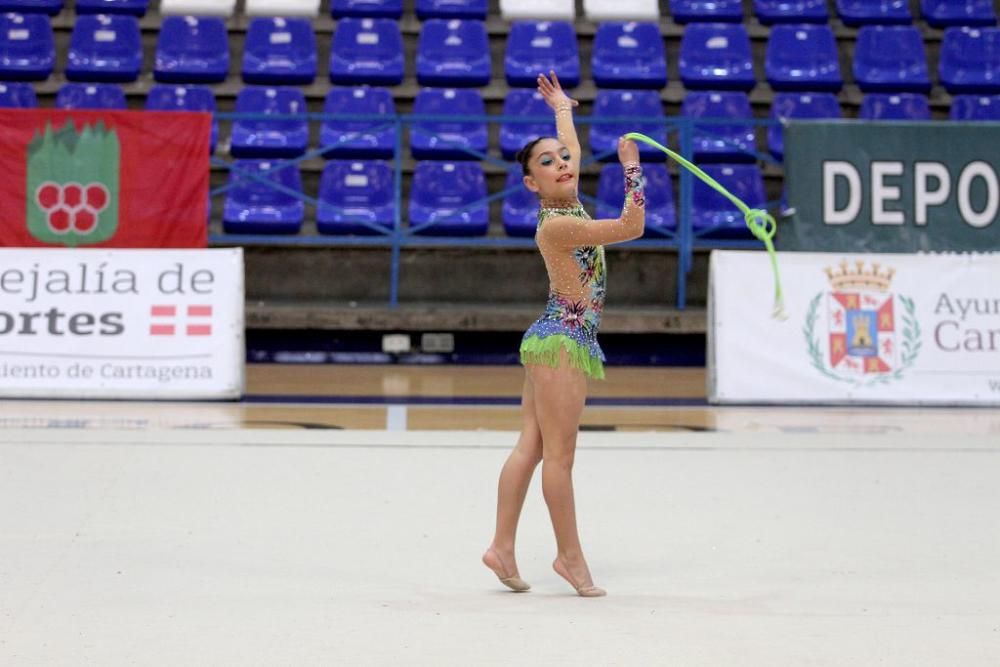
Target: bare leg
515 477
560 395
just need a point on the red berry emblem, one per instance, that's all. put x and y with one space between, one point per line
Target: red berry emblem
73 195
97 196
59 220
48 196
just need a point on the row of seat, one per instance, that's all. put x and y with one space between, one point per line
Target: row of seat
938 13
357 197
462 139
456 52
338 8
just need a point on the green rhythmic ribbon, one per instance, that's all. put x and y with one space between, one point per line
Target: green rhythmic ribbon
761 223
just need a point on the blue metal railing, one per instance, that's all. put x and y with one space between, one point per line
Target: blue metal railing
685 240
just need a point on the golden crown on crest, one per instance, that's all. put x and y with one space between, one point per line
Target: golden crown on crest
860 278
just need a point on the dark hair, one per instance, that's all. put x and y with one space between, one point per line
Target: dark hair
524 154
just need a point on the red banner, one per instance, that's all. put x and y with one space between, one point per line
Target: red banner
111 179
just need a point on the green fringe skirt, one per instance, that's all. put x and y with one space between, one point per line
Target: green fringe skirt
545 352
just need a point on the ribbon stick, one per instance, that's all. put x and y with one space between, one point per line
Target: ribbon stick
761 223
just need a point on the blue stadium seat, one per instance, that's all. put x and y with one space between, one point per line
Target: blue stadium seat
253 207
104 48
90 96
644 104
27 47
520 208
50 7
17 96
899 106
359 138
712 215
367 51
891 59
438 193
879 12
944 13
386 9
803 57
270 138
162 97
453 52
716 56
352 193
524 102
192 49
798 106
770 12
661 214
452 9
539 47
279 52
133 7
721 143
705 11
975 107
629 55
445 140
970 60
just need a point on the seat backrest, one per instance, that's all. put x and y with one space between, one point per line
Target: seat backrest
447 184
90 96
367 39
716 104
703 11
889 47
308 8
975 107
628 42
744 181
165 97
51 7
449 102
452 9
645 104
943 13
621 10
133 7
250 191
453 39
971 48
391 9
710 47
194 36
802 46
26 36
360 100
550 10
17 96
541 46
282 39
197 7
805 106
357 183
796 11
271 100
882 12
901 106
106 35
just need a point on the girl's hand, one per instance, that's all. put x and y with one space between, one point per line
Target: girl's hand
553 92
628 151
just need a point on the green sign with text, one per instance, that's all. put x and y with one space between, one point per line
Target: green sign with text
891 187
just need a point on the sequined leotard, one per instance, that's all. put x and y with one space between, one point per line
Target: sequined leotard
571 245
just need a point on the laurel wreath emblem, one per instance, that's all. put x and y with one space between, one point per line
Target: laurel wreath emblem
910 347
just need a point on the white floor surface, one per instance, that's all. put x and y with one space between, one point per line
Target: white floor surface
362 548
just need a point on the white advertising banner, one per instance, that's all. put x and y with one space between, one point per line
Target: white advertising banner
124 324
867 328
